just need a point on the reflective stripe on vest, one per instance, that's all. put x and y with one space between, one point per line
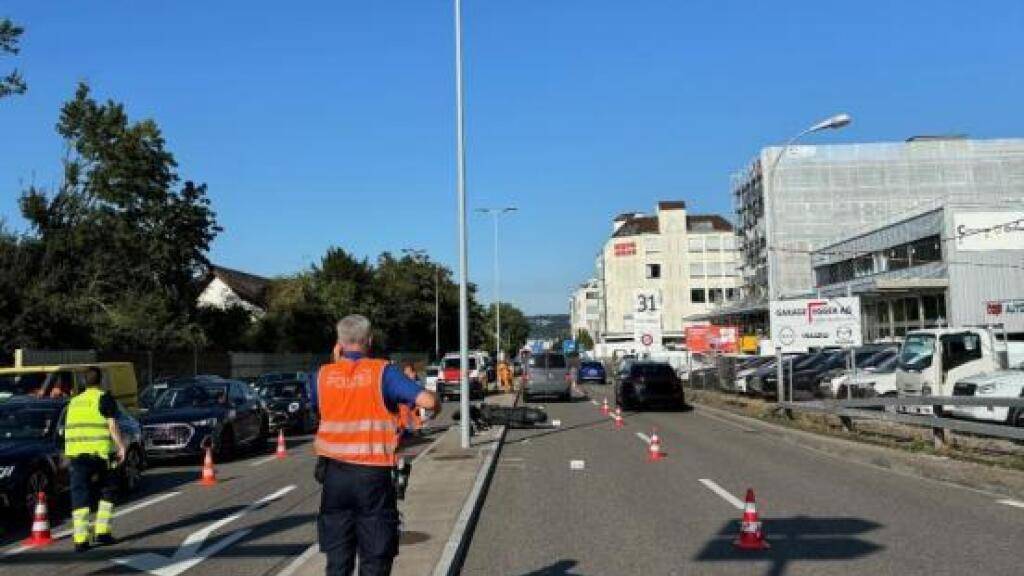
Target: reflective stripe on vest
355 424
85 431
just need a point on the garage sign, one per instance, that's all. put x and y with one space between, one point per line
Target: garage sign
797 325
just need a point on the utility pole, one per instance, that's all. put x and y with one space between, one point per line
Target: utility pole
460 141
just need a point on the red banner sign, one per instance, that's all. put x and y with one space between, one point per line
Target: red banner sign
625 249
713 338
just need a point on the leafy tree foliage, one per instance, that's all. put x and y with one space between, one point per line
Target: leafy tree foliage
514 329
10 34
584 340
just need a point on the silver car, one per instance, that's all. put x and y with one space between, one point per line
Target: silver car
547 374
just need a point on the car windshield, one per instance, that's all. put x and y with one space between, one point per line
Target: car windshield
18 422
807 361
282 391
917 351
874 359
652 371
548 361
149 396
193 397
887 365
22 384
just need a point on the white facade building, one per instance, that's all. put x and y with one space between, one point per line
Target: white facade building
690 262
585 308
224 288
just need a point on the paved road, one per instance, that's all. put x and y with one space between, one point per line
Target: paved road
255 521
624 515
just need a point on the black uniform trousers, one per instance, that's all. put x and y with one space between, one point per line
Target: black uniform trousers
358 516
91 478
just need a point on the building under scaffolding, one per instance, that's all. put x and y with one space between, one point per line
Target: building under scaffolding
819 194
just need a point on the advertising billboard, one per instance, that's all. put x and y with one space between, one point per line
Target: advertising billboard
797 325
725 339
983 231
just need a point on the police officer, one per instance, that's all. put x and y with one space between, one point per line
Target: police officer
358 400
91 440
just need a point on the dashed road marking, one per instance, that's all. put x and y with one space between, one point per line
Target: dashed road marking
299 560
710 484
594 402
65 532
263 460
643 437
1014 503
576 464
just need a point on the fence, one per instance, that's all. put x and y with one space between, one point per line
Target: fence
720 376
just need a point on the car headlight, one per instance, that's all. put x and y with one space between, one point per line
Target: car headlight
294 407
206 422
6 472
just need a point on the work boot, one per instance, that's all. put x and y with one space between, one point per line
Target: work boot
81 547
105 540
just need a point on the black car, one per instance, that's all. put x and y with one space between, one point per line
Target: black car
288 405
149 394
646 383
191 415
31 452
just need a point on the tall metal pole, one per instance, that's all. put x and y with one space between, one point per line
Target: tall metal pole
437 313
463 247
497 294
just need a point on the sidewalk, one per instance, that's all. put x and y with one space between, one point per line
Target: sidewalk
440 504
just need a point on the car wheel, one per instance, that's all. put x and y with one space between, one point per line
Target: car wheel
38 481
131 470
226 446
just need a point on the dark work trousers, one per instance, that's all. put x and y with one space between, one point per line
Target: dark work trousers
92 478
358 514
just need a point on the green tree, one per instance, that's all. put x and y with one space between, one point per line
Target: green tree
583 340
514 328
226 330
10 35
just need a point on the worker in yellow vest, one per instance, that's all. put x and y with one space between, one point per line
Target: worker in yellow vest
91 440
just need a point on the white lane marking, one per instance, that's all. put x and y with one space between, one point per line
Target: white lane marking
710 484
263 460
65 532
1015 503
299 560
191 551
594 402
643 437
556 423
576 464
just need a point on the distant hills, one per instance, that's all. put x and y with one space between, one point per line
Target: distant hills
548 326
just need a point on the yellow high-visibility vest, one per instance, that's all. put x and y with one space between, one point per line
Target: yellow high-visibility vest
85 431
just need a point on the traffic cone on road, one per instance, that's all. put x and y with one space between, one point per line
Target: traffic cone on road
618 418
209 477
751 531
654 450
604 406
40 525
282 450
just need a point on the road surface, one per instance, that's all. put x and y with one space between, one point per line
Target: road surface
621 514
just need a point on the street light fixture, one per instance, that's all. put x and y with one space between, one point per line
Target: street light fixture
460 159
495 213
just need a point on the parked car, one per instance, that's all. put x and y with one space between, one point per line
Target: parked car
430 377
591 371
189 416
879 380
65 380
867 358
1001 384
31 452
804 381
449 383
149 394
649 384
747 369
268 377
547 374
288 406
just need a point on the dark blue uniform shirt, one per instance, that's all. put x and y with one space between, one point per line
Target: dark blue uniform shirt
396 387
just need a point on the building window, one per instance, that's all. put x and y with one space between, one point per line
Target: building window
715 295
653 271
695 244
713 243
899 257
697 296
696 269
863 266
926 250
731 294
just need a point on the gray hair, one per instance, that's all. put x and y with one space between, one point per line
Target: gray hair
354 329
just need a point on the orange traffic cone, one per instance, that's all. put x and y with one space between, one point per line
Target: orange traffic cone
604 406
751 531
654 450
209 477
40 525
618 418
282 450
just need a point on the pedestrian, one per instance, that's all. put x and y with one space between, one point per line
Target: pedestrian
358 399
505 376
93 446
410 418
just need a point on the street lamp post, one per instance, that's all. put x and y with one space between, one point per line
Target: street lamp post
495 213
460 159
832 123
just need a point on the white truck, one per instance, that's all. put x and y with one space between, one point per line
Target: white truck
933 360
1001 384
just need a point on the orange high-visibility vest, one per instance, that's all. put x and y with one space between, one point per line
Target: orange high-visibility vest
355 424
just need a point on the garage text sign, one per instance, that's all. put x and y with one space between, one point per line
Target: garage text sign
797 325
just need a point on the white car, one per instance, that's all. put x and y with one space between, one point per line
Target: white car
1001 384
430 376
876 381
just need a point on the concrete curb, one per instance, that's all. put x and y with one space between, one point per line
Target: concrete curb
455 549
977 477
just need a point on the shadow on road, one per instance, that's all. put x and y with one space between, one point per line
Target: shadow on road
541 432
803 538
560 568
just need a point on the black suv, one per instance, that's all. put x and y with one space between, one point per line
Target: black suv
645 383
288 405
193 414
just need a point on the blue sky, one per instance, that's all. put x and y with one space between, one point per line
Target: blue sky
331 123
